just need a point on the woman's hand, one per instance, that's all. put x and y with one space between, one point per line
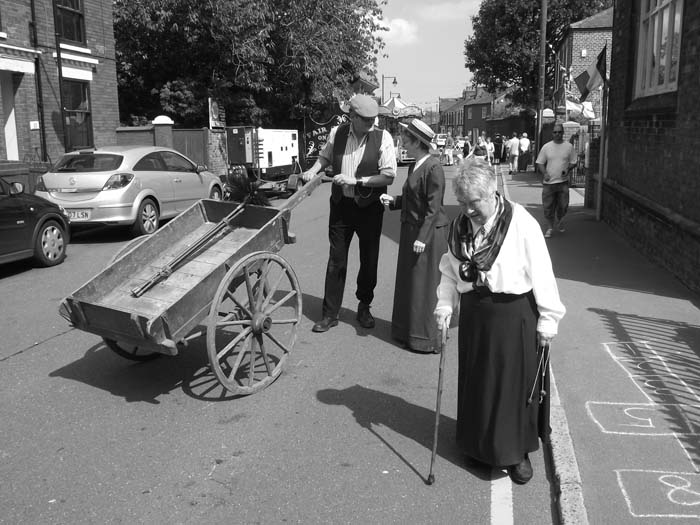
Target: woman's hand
386 199
544 339
418 247
442 317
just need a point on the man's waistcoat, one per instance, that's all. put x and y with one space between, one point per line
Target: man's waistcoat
369 165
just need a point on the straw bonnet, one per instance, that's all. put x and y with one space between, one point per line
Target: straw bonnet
420 130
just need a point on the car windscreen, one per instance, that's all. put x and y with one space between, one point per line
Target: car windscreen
89 162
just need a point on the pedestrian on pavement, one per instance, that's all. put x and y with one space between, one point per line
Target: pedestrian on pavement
499 273
524 153
480 147
497 148
490 149
513 149
555 161
422 242
449 149
467 150
364 163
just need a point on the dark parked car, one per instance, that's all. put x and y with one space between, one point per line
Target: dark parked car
31 227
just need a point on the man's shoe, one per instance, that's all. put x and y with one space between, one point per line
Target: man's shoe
325 324
561 227
522 472
364 317
548 233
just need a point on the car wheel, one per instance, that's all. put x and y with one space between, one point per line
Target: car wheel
215 193
50 244
147 218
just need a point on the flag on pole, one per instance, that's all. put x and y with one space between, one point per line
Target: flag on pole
593 77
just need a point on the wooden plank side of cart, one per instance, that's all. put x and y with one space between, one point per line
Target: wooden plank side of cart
169 311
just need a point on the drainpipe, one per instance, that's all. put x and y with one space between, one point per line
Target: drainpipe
60 74
37 81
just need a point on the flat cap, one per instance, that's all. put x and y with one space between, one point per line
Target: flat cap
364 106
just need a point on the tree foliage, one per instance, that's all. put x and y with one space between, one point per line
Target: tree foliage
504 50
266 61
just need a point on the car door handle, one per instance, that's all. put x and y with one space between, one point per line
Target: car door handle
177 180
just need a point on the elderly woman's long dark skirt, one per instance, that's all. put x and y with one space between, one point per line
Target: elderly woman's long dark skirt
497 367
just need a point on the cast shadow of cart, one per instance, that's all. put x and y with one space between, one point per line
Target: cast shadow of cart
147 381
373 409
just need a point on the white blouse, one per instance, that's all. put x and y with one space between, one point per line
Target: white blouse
523 264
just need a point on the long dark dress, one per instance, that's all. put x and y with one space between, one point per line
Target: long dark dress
417 275
497 367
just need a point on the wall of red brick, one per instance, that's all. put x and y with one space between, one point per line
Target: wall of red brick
593 42
16 17
652 189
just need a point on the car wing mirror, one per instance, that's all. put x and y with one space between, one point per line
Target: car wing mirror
16 187
201 168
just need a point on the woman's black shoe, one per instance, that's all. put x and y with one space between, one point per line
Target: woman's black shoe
522 472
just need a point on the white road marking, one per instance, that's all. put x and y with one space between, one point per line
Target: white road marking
501 499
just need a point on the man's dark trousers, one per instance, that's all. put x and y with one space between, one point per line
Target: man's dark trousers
346 219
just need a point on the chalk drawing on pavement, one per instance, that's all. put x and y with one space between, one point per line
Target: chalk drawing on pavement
645 419
667 406
673 494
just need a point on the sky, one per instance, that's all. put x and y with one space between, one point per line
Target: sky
425 48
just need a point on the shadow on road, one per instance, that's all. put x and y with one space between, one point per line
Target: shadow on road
374 409
146 382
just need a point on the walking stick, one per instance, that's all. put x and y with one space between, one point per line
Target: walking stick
443 341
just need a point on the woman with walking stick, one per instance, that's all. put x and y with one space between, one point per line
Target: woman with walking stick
498 271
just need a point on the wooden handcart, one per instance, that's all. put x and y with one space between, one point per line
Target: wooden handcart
212 271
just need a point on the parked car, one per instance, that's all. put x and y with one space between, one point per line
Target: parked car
441 140
402 156
127 185
31 227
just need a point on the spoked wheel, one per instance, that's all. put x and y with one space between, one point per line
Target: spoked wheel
253 322
132 352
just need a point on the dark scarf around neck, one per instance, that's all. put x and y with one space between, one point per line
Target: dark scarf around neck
461 235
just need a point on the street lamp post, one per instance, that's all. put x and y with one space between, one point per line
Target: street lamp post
394 83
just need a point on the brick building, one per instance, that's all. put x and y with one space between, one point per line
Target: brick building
582 42
35 125
651 190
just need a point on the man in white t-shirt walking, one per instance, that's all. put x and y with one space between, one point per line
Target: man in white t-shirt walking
513 149
554 162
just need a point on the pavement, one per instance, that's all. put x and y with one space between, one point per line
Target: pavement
626 369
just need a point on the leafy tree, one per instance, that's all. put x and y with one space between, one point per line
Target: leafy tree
266 61
504 50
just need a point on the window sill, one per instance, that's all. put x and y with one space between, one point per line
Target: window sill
76 49
3 35
664 102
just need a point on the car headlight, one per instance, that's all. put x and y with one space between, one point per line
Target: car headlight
117 181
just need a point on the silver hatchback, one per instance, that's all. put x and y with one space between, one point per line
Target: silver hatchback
127 185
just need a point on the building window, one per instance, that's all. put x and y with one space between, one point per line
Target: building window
469 113
70 21
76 98
658 47
484 111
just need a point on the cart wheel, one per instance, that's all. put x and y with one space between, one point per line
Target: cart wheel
253 322
130 351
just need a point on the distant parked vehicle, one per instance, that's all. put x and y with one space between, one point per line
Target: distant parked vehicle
31 227
127 185
402 156
441 140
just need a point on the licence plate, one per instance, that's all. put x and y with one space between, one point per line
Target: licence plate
79 215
